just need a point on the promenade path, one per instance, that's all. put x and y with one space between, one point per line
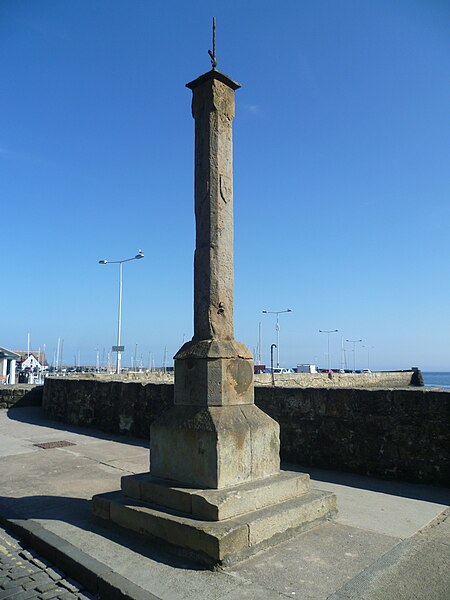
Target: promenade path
390 539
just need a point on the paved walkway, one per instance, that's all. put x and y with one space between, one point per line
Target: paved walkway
24 575
390 539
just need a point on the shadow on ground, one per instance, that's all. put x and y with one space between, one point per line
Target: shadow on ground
416 491
16 513
36 416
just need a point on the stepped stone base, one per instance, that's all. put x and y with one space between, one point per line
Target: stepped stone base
217 527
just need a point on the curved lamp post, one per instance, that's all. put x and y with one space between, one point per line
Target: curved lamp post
277 328
139 255
328 331
354 342
368 348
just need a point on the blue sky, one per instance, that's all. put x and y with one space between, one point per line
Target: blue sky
341 174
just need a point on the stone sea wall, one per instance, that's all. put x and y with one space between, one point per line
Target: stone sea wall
343 380
387 433
113 406
20 395
346 380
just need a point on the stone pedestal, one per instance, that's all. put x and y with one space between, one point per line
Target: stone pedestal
215 489
214 436
217 527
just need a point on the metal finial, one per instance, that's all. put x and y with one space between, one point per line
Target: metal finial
213 53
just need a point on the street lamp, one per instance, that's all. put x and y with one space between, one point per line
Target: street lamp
354 342
277 328
368 348
119 348
328 331
271 363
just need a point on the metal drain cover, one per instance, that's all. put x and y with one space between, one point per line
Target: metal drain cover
58 444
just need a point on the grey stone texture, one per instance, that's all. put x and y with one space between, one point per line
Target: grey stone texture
117 407
385 379
389 433
213 111
214 436
216 505
214 446
219 542
214 373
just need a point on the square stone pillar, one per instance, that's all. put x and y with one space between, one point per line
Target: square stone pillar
214 436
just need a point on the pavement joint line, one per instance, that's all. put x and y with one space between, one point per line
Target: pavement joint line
389 561
95 576
99 462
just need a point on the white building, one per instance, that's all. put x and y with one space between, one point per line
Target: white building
8 360
30 362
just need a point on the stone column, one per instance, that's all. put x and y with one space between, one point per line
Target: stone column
213 111
215 436
215 488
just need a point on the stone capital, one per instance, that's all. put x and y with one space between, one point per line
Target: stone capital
213 92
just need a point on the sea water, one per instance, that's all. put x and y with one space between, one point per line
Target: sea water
436 379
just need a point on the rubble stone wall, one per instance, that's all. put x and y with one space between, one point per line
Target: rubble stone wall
386 433
345 380
20 395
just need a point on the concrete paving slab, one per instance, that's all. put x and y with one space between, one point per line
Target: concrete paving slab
55 473
52 490
117 451
419 567
318 563
249 590
389 507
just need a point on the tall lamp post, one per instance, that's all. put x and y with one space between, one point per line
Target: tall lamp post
328 331
271 362
139 255
277 327
368 348
354 342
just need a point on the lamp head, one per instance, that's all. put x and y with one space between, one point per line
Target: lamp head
102 262
140 254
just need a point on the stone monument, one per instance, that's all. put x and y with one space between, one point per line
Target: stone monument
215 489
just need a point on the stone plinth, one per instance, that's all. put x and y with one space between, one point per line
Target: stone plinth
275 509
214 446
217 505
214 436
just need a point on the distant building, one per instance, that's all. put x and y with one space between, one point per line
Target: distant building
33 360
306 368
8 360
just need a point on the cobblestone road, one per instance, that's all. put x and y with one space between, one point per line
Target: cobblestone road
24 575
